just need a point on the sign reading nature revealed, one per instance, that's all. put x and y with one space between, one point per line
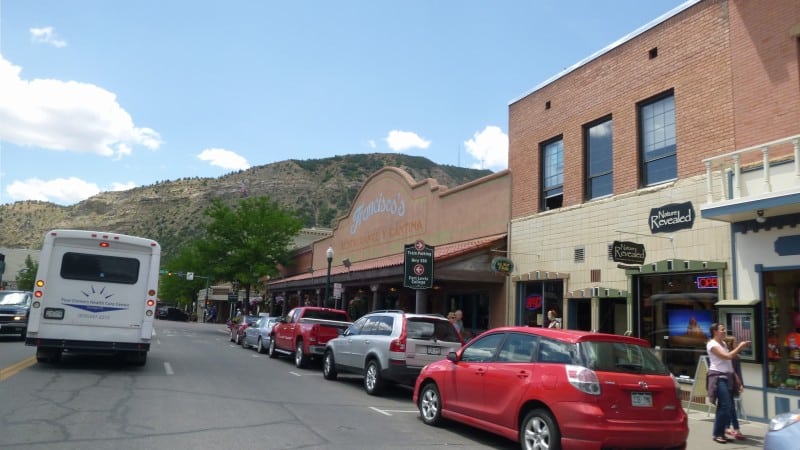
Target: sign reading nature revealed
628 252
418 266
672 217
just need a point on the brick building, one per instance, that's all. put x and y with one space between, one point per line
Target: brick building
656 189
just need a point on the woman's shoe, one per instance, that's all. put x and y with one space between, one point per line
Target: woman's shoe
720 440
736 434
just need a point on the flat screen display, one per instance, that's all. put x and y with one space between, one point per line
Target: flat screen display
689 327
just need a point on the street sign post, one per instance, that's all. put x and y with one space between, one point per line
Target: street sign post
418 266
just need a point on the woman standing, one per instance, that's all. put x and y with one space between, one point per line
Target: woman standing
722 379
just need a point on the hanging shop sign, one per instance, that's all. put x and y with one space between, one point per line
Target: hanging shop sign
418 266
502 265
628 252
671 217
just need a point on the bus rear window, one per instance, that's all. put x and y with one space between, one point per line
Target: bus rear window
88 267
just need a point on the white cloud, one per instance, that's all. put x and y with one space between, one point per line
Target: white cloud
66 116
490 148
372 143
65 191
117 186
404 140
46 35
224 158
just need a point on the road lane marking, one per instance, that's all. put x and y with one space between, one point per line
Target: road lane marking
295 374
16 368
168 368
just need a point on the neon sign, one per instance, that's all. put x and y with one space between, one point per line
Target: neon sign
708 282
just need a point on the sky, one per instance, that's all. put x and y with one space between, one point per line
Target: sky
108 95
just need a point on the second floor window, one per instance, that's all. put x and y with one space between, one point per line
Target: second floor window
599 159
657 140
553 174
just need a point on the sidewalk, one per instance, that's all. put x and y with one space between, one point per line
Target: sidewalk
701 424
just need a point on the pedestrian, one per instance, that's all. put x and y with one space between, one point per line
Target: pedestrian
733 430
552 319
212 314
459 322
721 380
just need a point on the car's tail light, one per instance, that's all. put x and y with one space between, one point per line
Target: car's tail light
312 336
677 387
583 379
399 344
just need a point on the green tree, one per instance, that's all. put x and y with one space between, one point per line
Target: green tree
248 241
27 275
175 288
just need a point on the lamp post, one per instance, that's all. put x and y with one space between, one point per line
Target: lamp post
329 255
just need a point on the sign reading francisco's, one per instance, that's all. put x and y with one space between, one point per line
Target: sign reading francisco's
418 266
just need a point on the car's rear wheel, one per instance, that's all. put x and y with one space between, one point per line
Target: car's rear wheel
260 346
430 404
539 431
271 351
373 382
300 359
329 366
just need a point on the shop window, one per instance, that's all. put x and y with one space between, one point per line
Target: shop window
782 296
675 314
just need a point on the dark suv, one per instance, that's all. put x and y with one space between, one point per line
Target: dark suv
14 310
390 346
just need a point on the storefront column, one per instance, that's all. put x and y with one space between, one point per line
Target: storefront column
421 301
375 296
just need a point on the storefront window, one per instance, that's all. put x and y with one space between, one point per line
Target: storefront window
782 296
536 298
675 313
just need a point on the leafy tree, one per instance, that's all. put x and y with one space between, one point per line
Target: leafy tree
175 288
27 275
248 241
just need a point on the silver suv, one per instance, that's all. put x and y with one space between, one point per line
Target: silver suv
389 346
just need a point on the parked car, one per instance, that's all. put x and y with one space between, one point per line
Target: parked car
238 328
389 346
258 336
550 388
304 332
14 311
784 431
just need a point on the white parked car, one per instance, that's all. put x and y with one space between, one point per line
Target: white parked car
257 336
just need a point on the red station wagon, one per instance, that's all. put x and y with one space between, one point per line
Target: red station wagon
551 389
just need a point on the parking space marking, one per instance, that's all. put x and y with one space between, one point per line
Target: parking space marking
168 368
388 412
295 373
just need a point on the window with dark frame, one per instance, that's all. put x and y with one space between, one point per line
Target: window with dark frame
598 146
657 141
553 174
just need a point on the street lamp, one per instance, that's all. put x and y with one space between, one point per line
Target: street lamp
329 255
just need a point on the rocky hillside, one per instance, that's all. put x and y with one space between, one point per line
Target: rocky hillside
320 191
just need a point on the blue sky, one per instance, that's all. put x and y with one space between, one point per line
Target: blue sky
101 95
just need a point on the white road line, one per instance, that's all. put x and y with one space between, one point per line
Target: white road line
168 368
388 412
295 374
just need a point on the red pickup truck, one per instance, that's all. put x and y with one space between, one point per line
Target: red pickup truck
305 331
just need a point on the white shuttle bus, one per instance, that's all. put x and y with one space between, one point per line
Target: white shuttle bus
95 293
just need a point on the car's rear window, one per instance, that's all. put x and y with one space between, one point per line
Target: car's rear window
325 315
429 328
621 357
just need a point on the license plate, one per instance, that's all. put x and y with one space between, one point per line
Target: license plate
642 399
53 313
434 350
